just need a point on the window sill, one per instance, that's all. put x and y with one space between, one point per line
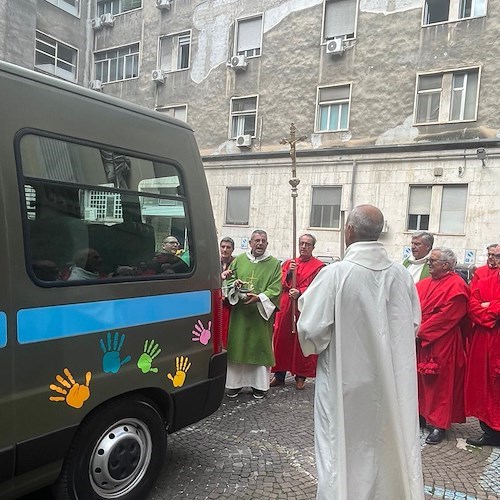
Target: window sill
313 228
226 224
444 123
449 21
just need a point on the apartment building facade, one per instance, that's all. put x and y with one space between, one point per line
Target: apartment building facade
394 104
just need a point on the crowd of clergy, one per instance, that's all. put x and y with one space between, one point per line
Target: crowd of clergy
456 357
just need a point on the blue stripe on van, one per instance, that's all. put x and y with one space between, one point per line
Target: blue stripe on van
3 329
57 322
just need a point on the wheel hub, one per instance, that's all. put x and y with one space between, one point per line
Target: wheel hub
120 458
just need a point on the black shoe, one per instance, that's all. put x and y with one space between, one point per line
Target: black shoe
258 394
232 393
435 436
275 382
484 440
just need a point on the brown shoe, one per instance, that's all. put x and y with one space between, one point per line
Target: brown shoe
275 382
299 383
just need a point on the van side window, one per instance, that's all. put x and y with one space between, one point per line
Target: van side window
95 214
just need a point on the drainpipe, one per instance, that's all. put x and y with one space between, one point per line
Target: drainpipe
344 213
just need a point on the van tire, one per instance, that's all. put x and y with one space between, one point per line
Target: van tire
117 453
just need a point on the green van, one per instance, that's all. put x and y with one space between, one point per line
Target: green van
109 332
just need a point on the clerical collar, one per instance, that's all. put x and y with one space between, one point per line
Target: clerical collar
423 260
251 258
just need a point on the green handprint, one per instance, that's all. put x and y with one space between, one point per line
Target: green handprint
146 360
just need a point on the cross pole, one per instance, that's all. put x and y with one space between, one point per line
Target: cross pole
294 182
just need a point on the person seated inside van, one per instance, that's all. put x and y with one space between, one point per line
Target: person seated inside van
87 263
46 270
167 259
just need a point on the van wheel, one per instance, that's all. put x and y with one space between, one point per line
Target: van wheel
116 454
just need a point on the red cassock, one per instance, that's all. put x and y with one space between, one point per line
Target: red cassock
480 273
286 345
440 350
226 313
482 386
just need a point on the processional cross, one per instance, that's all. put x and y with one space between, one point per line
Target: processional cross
294 182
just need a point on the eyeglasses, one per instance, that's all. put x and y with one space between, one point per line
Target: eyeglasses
171 242
305 244
491 255
496 255
432 261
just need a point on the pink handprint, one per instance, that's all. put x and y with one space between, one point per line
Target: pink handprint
202 334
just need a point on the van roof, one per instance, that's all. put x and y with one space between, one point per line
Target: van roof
74 88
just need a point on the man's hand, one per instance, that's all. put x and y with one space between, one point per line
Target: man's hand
485 304
251 298
293 265
237 283
226 274
294 293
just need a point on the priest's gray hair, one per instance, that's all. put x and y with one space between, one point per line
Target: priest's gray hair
367 222
258 231
426 237
309 235
448 255
492 245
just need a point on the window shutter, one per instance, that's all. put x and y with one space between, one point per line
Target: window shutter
238 206
420 200
340 18
326 196
249 34
453 209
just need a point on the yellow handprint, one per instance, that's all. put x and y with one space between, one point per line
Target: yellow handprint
77 394
182 365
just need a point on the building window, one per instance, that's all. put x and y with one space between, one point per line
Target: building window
117 64
333 108
55 57
70 6
419 208
441 11
179 112
117 6
174 51
339 19
447 97
453 205
249 37
238 206
243 116
325 208
439 208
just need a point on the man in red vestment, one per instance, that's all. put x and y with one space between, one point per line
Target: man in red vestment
489 268
226 257
440 345
482 382
286 345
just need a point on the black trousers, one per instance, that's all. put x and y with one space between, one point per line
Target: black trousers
491 433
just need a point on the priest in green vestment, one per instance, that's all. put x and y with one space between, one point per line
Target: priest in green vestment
254 292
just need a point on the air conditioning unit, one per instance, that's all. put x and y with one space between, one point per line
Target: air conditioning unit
238 62
95 85
244 141
163 4
335 46
107 19
96 23
158 76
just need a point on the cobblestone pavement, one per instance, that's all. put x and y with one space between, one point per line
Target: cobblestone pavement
264 449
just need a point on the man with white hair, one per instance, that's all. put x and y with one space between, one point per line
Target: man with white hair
360 316
417 264
440 347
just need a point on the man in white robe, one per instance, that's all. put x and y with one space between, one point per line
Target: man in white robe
361 316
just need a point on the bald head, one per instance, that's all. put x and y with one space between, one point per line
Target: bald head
364 223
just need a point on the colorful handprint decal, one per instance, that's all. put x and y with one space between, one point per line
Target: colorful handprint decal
202 334
111 362
182 365
145 362
73 393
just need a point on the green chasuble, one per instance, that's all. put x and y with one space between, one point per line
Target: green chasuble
250 335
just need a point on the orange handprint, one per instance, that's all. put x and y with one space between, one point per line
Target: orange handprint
76 395
182 365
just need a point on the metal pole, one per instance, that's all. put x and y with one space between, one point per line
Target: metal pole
294 182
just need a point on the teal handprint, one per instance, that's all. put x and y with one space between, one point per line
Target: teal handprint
144 363
111 360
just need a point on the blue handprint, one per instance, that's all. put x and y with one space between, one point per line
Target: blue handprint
111 360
